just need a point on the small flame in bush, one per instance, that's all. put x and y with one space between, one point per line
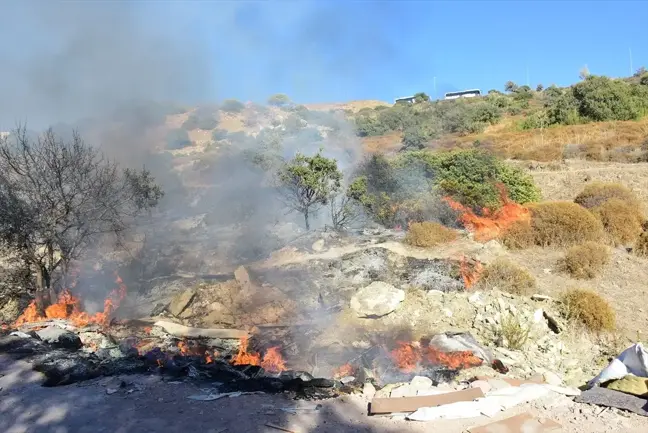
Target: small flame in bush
345 370
68 308
470 274
272 360
491 224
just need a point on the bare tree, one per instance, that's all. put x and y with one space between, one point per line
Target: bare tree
59 198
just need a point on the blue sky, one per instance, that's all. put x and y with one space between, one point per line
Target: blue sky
62 60
336 50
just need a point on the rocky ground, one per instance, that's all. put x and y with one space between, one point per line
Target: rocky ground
148 404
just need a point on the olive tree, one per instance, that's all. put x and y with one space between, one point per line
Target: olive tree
59 198
308 182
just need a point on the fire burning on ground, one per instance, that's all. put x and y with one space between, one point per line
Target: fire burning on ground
68 307
272 361
410 357
470 273
492 223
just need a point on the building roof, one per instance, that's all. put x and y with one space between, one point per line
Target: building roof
463 91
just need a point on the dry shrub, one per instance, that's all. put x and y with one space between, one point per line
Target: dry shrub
621 220
586 260
597 193
563 223
641 246
428 234
509 277
588 308
512 333
519 235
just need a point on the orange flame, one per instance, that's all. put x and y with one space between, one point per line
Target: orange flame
272 361
68 308
409 356
344 371
491 224
470 276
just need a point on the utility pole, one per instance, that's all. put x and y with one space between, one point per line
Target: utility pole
435 92
527 74
631 68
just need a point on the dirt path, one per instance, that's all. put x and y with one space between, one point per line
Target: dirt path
149 404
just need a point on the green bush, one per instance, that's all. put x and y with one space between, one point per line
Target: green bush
471 176
201 118
601 98
279 100
177 139
232 106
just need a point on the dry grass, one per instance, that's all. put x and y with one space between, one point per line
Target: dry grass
429 234
586 260
621 221
597 193
554 223
508 277
602 141
387 143
589 309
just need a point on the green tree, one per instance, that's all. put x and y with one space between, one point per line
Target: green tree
421 97
510 86
644 79
539 88
279 100
232 106
601 98
308 182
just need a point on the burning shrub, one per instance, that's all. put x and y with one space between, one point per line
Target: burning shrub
621 220
586 260
597 193
589 309
509 277
429 234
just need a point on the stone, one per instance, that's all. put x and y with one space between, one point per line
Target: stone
481 384
403 391
420 383
475 298
447 312
552 378
181 301
538 315
242 277
318 245
376 300
538 297
59 337
368 391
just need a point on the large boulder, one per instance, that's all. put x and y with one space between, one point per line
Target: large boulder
377 299
181 301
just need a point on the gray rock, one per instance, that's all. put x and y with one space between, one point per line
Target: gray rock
377 299
59 337
181 301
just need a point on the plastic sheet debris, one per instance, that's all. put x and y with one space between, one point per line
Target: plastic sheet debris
633 360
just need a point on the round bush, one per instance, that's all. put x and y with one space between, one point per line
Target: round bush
429 234
641 245
586 260
508 277
597 193
589 309
563 223
621 220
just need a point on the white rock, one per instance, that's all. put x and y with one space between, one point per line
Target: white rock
538 297
447 312
420 383
369 391
318 245
481 384
403 391
552 378
475 298
377 299
538 316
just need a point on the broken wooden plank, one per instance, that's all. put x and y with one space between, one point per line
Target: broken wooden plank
523 423
410 404
182 331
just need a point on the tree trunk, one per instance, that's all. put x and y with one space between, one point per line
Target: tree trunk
306 220
40 289
49 271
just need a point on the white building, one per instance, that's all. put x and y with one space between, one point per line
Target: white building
471 93
405 99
